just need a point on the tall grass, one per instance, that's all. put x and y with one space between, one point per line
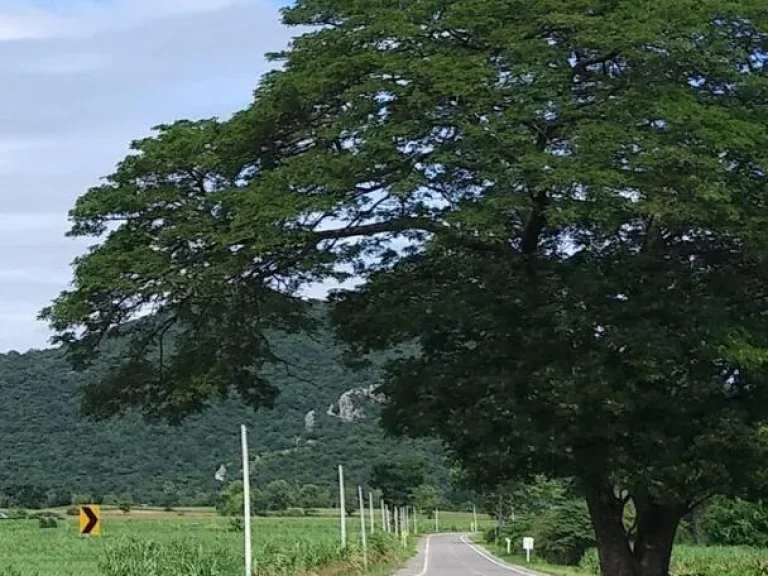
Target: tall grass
177 547
706 561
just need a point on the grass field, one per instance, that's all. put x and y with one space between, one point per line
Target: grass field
686 561
708 561
197 543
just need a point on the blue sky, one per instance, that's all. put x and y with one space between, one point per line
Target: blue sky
80 79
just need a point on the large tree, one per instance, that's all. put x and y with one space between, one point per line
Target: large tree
398 480
560 206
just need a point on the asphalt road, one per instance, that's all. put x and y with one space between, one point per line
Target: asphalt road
455 555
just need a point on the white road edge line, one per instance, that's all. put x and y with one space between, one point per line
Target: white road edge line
426 558
493 560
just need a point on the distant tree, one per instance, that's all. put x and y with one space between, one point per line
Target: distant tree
125 502
110 499
532 497
312 496
259 502
350 499
82 499
170 497
280 495
230 501
397 480
426 497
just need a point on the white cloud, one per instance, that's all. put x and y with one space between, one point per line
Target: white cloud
19 22
81 79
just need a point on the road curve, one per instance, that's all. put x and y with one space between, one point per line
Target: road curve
455 555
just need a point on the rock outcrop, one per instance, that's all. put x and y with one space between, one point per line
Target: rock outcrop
351 404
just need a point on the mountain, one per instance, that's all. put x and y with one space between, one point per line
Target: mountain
45 449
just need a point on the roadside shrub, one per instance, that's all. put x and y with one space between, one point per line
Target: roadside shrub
736 523
73 511
565 534
381 544
48 522
590 562
515 531
39 515
561 534
236 525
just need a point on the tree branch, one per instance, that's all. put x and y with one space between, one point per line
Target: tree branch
409 224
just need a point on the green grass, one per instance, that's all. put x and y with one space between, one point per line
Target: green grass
707 561
176 545
197 543
536 564
686 561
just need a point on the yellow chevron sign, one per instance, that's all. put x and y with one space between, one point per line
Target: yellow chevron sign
90 520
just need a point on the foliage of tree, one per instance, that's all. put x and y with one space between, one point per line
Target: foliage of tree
562 532
170 496
398 480
110 499
313 496
280 495
535 497
565 533
230 501
736 522
81 499
426 497
277 496
560 203
125 502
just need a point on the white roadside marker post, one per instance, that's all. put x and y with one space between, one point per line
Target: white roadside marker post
362 527
246 502
342 508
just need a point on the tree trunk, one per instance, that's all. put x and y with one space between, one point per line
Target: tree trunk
698 529
656 524
613 546
656 530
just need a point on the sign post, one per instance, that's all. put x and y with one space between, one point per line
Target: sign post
509 545
528 546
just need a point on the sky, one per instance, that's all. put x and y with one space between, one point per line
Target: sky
80 79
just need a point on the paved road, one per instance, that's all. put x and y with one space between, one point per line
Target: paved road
455 555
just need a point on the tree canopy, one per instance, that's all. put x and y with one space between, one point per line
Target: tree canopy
398 480
560 205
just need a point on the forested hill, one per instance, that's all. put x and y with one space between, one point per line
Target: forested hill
45 447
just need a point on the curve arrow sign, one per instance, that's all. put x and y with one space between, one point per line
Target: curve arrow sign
90 520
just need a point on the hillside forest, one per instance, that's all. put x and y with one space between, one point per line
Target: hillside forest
49 454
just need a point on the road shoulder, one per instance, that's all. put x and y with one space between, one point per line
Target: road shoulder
417 565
